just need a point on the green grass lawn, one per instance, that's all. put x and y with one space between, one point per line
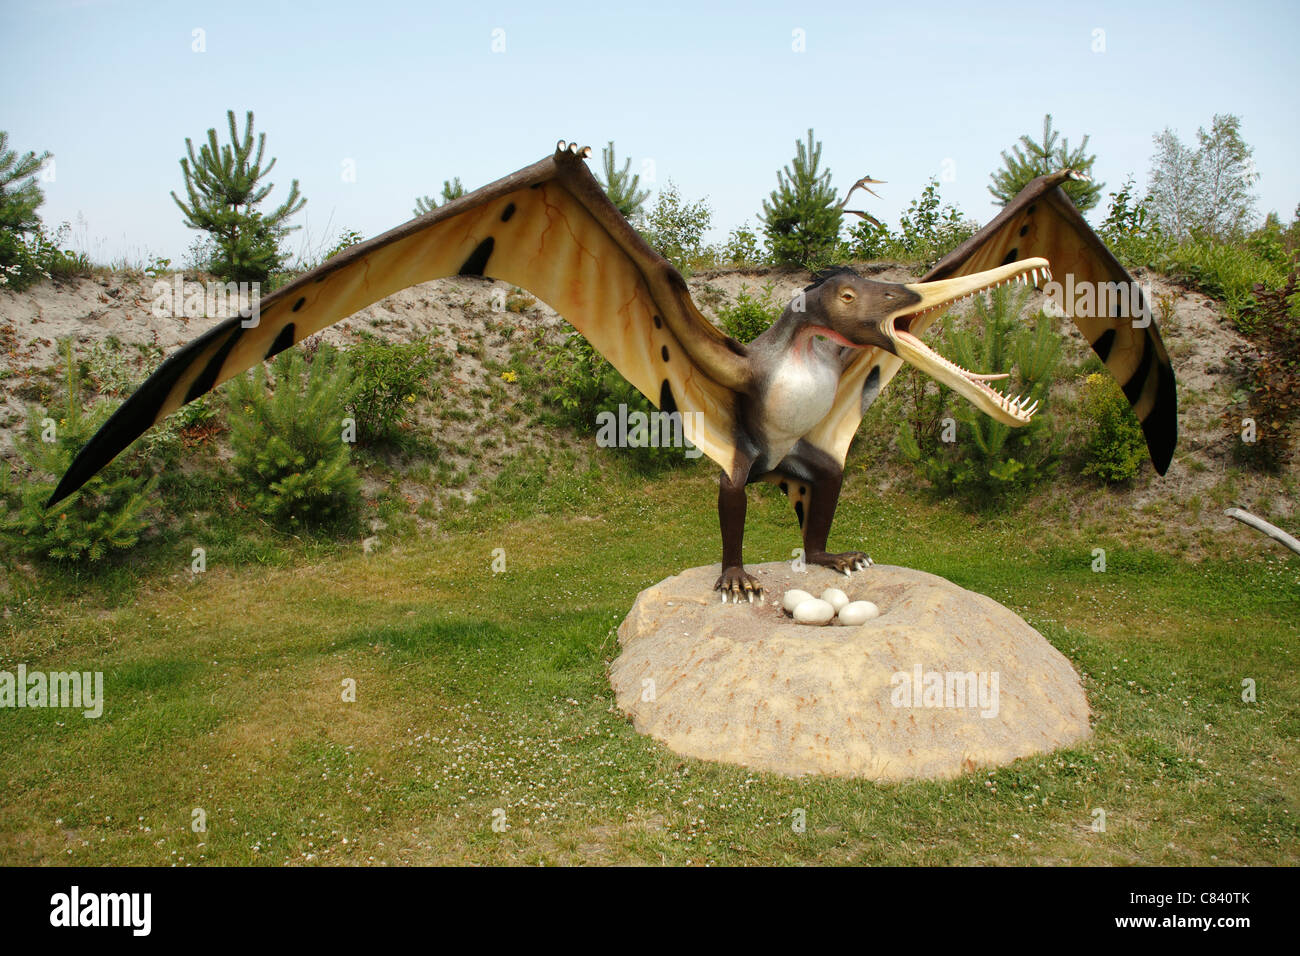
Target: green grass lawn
478 692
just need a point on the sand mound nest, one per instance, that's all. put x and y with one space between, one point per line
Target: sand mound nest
943 681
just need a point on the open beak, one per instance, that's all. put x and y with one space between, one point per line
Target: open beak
943 294
874 182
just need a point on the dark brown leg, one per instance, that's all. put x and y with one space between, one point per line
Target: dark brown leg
732 504
817 526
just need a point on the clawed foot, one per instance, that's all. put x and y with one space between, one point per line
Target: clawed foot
739 584
848 561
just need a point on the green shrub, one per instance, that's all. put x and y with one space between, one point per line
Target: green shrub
105 515
675 228
26 259
113 369
22 261
750 316
927 232
1115 448
389 378
1227 271
1130 230
870 240
1271 373
577 375
288 439
989 463
922 405
742 249
347 239
67 264
583 384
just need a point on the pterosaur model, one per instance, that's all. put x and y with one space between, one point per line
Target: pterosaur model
783 408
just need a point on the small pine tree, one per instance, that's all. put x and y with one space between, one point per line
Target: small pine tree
802 219
20 196
221 185
990 463
288 439
751 315
620 185
24 252
104 515
1028 160
451 189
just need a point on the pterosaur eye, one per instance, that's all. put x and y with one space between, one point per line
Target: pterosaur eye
889 295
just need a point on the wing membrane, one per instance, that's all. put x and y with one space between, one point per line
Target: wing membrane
548 228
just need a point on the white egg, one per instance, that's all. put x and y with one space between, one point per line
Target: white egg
793 598
835 598
814 611
858 612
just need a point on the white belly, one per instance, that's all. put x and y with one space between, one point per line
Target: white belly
800 394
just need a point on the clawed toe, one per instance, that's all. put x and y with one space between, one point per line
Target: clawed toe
740 586
847 563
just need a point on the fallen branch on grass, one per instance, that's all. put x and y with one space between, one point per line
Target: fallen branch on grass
1260 524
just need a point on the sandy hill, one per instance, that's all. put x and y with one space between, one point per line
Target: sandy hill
477 432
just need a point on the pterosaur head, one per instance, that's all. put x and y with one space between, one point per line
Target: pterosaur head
863 312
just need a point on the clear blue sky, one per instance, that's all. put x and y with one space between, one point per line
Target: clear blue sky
714 95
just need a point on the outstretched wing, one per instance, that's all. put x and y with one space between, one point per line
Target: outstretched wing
1042 221
548 228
